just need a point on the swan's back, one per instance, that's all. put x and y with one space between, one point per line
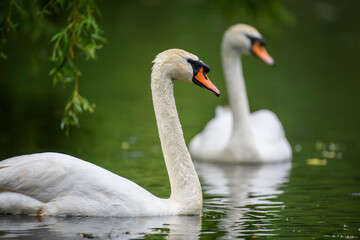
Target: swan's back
59 184
266 126
49 175
269 136
214 137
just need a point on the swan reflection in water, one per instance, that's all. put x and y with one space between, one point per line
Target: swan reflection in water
171 227
246 195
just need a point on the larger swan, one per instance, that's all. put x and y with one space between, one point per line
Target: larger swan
57 184
235 135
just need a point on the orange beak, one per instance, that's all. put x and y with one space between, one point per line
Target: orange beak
203 81
259 50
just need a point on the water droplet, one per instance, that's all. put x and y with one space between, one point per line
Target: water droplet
316 162
333 146
319 145
125 145
298 148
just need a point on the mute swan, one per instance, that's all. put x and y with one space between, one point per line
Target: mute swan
235 135
57 184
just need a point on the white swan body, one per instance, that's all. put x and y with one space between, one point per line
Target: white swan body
57 184
235 135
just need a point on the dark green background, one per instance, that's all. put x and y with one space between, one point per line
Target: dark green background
313 89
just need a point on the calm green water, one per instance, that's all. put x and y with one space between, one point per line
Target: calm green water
314 90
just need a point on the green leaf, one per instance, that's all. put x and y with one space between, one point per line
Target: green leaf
3 55
82 36
56 36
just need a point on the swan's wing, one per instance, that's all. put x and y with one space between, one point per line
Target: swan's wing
269 135
46 176
214 136
40 176
72 185
266 125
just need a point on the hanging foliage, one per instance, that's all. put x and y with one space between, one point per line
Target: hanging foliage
81 36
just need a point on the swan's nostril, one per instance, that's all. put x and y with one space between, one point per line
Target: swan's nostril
205 76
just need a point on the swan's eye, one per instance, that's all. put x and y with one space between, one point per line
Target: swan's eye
197 65
253 40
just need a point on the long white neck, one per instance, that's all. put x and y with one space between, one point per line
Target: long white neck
185 185
237 94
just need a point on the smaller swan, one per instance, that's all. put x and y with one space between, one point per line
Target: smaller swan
54 184
235 135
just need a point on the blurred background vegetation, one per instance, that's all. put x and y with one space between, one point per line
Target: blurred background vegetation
74 30
80 34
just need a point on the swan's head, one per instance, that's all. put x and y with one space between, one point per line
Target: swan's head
246 40
184 66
